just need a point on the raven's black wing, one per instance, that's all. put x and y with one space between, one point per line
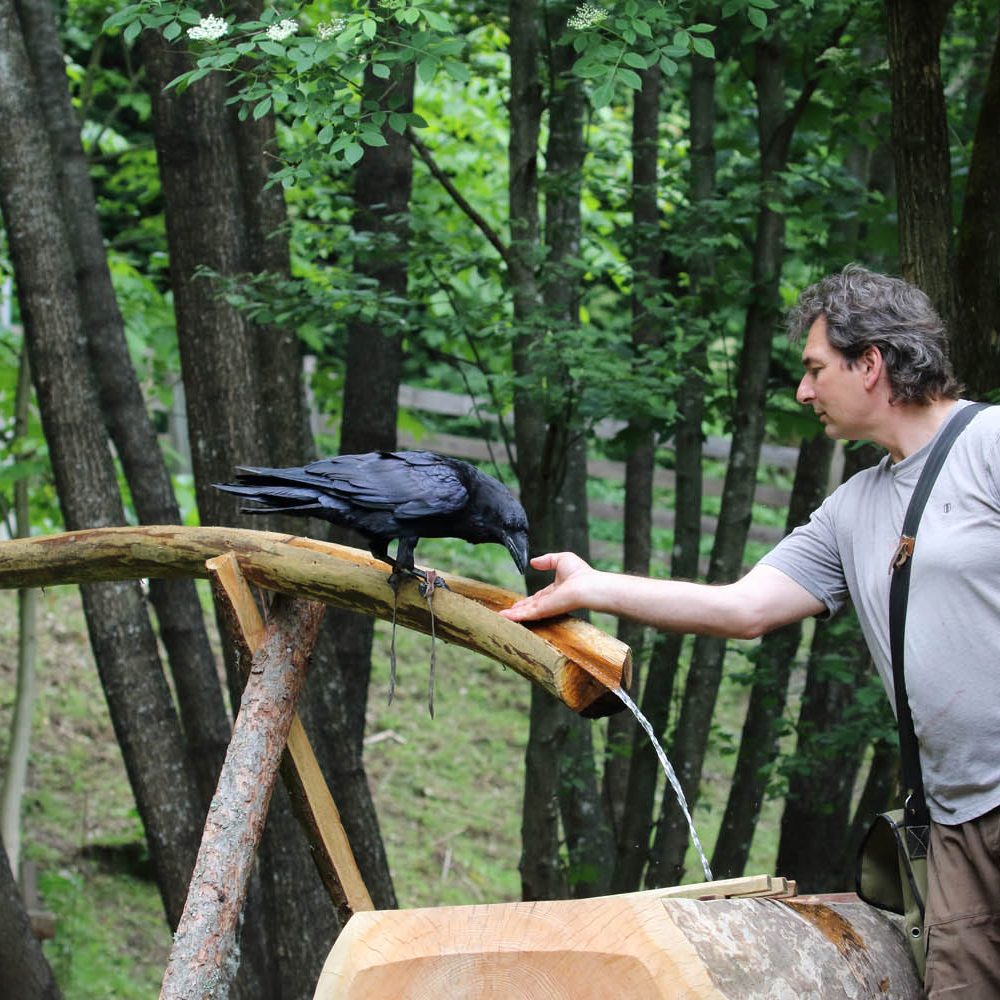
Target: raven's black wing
413 485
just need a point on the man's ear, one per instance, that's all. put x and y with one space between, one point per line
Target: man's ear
872 365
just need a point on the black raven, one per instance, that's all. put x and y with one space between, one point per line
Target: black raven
393 495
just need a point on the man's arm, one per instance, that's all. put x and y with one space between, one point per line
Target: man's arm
762 600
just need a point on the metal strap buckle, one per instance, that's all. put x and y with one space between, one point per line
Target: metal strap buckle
903 552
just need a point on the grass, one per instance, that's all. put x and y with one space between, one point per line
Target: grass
448 789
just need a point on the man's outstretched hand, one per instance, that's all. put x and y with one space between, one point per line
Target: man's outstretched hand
573 588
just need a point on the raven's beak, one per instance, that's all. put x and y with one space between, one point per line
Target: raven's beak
517 546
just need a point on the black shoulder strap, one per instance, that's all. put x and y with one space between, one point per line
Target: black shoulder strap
916 816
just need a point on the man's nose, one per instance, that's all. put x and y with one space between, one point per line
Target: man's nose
804 393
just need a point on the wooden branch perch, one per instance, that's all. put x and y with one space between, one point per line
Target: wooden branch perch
579 664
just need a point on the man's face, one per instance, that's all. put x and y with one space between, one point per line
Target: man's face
835 391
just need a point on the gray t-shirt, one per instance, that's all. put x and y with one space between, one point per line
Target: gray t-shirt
952 648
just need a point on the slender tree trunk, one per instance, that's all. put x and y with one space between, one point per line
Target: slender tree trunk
383 185
976 347
641 458
15 776
833 731
881 791
690 741
122 640
772 669
637 820
588 837
920 146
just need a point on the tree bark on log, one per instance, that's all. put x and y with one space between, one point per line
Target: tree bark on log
639 946
571 659
204 958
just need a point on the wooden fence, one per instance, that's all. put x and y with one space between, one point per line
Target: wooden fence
437 403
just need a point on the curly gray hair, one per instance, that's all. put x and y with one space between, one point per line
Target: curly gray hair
863 309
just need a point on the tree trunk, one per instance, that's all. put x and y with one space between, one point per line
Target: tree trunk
834 728
772 669
383 182
178 609
690 741
123 642
640 461
920 146
634 837
880 792
215 208
15 776
976 347
587 834
24 972
542 874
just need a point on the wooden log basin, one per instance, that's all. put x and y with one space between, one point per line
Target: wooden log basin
637 946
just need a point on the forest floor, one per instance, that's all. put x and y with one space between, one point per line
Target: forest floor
448 792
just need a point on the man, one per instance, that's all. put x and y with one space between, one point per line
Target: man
876 369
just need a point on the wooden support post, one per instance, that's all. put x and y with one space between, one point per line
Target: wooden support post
307 788
204 958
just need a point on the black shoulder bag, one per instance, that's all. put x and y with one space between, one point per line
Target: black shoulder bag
892 860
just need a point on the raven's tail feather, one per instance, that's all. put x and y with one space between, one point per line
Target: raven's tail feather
277 498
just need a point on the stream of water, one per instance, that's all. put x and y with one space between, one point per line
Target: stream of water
671 777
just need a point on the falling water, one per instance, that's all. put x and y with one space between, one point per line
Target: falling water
671 777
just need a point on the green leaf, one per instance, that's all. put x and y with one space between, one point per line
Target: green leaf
353 153
325 134
132 32
273 48
369 28
437 21
630 78
757 18
172 30
380 70
703 47
262 109
635 59
426 69
121 17
668 66
601 97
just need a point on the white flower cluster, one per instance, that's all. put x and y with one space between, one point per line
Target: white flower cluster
282 30
208 29
326 31
586 16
